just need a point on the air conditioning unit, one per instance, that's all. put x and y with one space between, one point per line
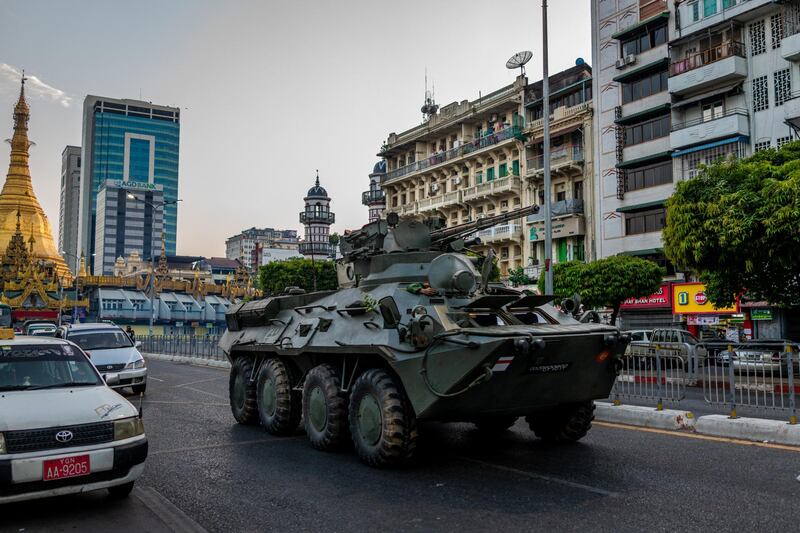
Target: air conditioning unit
456 181
434 188
623 62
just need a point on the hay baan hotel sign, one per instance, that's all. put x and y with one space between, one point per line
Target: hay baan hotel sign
659 299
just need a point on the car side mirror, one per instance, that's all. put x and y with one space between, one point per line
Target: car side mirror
389 312
111 379
137 344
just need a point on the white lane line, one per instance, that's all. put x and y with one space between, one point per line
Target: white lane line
541 477
206 392
198 381
221 445
173 518
155 379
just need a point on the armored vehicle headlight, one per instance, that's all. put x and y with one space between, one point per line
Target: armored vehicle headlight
2 444
127 428
522 346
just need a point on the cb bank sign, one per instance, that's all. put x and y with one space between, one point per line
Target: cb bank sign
691 299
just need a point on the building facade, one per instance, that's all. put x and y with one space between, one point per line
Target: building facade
126 225
68 205
127 140
317 219
249 246
374 198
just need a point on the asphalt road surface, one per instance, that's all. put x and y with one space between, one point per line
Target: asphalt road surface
205 472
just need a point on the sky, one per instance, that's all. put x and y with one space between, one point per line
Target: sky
270 91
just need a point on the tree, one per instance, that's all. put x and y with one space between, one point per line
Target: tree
606 282
517 277
297 272
334 238
736 226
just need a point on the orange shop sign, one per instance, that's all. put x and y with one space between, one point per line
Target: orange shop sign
691 299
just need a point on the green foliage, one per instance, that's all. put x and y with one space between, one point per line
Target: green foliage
297 272
737 225
334 238
605 282
518 277
369 302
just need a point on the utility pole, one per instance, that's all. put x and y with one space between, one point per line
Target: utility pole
548 219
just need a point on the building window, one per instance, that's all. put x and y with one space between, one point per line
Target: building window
780 141
647 131
777 30
760 93
650 84
645 221
695 12
763 145
758 38
709 7
644 41
649 176
783 86
691 163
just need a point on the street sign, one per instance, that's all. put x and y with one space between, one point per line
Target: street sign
691 299
761 314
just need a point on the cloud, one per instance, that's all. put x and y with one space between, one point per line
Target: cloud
35 86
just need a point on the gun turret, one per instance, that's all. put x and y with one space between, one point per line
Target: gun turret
444 236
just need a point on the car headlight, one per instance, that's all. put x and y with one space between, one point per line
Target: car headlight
2 444
139 363
127 428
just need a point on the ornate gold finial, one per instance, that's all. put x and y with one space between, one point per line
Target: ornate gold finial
82 267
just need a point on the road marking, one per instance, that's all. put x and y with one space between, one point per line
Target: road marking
212 446
728 440
541 477
172 516
196 382
155 379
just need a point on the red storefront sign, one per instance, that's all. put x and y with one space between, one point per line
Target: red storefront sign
661 298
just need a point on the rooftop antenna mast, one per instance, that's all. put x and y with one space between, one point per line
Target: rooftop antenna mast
429 108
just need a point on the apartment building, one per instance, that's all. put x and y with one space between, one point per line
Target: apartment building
571 168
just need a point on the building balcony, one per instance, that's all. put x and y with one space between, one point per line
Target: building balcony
791 110
317 248
732 122
790 47
486 141
559 209
438 202
564 159
373 197
317 217
501 233
498 187
722 64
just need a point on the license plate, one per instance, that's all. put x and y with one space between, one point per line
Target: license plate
75 466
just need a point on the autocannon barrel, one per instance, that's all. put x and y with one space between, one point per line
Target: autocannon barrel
462 230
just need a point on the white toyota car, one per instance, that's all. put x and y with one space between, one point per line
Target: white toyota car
62 429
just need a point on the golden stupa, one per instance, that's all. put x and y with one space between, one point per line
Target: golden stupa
17 198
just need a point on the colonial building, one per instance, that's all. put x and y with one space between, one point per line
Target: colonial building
374 198
250 246
317 219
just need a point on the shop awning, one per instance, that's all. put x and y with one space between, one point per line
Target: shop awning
738 138
660 64
652 158
641 115
640 207
710 94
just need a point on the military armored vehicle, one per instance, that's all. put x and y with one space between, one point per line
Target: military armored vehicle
415 332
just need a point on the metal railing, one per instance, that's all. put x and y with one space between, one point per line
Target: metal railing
660 376
324 217
702 120
571 154
372 197
201 347
706 57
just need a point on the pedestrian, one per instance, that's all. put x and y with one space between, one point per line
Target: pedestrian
131 334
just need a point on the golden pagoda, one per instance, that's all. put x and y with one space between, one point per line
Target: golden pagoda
18 203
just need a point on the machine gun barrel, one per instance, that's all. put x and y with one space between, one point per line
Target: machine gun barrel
445 235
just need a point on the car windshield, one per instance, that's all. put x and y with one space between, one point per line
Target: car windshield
30 367
100 340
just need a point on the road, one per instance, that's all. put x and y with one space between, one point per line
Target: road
207 473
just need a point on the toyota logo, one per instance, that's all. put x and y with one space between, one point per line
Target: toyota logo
64 436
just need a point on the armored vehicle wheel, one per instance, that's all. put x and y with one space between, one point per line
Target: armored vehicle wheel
242 392
279 406
494 424
382 422
324 409
565 423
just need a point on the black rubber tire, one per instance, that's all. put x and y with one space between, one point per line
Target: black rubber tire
334 433
563 424
119 492
243 402
288 403
495 424
139 389
398 436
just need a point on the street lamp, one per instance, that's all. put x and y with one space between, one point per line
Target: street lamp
77 277
154 206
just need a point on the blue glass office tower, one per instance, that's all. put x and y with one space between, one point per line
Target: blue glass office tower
127 140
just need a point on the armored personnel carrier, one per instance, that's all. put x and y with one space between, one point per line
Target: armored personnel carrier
416 331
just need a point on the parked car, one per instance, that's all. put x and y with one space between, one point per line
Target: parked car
669 343
62 429
40 328
111 350
640 335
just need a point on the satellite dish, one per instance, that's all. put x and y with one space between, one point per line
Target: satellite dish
518 60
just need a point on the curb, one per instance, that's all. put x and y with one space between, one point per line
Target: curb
752 429
648 417
183 359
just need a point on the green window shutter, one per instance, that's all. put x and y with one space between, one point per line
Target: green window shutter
490 174
709 7
503 170
515 167
562 250
580 251
479 177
